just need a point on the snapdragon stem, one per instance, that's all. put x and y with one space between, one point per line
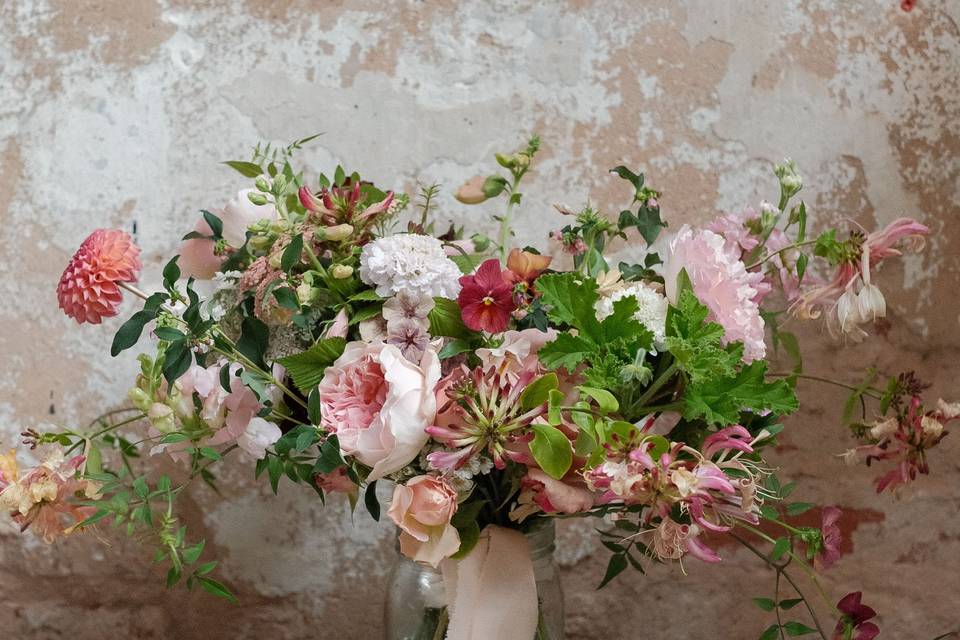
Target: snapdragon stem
106 430
504 236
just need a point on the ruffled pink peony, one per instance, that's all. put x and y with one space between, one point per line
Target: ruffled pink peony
423 508
379 404
88 289
721 281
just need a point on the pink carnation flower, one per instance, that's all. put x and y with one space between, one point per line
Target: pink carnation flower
88 289
721 281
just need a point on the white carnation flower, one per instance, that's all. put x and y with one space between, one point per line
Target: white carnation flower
652 312
409 262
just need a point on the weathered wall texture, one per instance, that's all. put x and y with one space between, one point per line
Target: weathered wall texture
117 111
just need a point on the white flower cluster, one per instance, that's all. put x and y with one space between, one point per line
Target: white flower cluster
408 262
652 313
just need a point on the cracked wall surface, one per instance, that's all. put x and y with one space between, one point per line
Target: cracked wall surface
116 113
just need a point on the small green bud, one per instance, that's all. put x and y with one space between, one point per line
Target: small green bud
257 198
507 162
275 259
140 399
480 242
262 184
307 294
279 183
790 179
341 271
260 243
494 186
338 232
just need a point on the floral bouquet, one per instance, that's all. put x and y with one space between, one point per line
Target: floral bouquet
328 331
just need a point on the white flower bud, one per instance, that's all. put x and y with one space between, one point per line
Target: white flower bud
338 232
341 271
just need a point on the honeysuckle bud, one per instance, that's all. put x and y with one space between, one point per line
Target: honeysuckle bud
262 184
341 271
790 179
472 191
275 259
257 198
338 232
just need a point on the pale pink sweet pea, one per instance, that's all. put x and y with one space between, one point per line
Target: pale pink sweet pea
197 257
423 508
517 352
379 404
568 495
721 282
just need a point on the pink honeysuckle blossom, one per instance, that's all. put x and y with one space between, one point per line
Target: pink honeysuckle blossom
849 299
721 282
88 290
830 538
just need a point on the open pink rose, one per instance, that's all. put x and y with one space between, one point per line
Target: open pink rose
379 404
422 508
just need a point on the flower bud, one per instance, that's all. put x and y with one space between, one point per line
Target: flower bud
275 260
507 162
307 294
140 399
279 183
262 184
161 417
257 198
790 179
338 232
931 427
494 186
260 243
471 192
341 271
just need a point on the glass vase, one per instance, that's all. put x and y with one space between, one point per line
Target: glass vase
416 607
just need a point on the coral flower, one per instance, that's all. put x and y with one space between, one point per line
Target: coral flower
88 288
486 298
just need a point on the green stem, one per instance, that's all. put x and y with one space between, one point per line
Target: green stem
872 392
795 245
656 384
782 571
97 434
504 235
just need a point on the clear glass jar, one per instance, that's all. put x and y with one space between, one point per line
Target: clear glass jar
416 607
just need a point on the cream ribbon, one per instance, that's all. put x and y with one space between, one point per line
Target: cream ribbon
491 593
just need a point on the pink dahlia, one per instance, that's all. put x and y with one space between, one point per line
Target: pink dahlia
486 298
721 281
88 289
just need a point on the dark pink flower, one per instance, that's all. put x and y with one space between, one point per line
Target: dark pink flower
853 625
88 289
486 298
831 537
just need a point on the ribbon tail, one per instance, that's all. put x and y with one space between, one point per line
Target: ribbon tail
492 593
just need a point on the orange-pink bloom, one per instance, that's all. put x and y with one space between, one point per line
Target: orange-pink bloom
88 289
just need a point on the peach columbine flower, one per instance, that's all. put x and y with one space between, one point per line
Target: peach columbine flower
88 290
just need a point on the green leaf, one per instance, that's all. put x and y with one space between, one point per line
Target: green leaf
720 401
171 272
173 438
538 392
287 298
455 347
636 179
330 457
780 547
306 368
216 588
169 333
215 224
649 223
445 319
274 471
192 554
98 515
797 629
291 254
790 603
177 361
254 336
618 562
313 406
554 402
604 399
246 169
210 453
567 351
140 487
371 502
129 332
770 633
367 295
571 299
551 449
796 508
305 439
765 603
